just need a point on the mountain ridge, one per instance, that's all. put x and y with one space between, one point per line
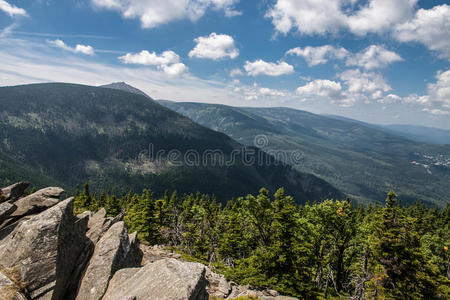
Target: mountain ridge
76 133
363 161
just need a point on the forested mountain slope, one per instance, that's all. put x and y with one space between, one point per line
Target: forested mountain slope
74 133
362 161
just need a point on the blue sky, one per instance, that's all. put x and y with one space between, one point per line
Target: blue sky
380 61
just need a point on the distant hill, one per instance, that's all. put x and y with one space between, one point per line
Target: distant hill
361 160
73 133
421 133
122 86
412 132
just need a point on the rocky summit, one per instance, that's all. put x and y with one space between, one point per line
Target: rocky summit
47 252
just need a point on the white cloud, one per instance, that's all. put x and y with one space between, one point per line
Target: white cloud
373 57
150 59
353 86
416 99
390 99
320 87
379 15
175 69
12 10
271 92
364 84
307 17
329 16
255 92
436 111
153 13
319 55
88 50
438 98
260 67
168 61
215 46
236 72
430 27
439 92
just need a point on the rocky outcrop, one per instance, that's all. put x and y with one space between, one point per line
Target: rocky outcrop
218 286
6 209
166 279
13 192
112 252
48 253
34 203
43 250
38 201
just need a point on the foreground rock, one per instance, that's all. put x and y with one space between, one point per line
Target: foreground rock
6 209
13 192
166 279
112 252
33 204
218 286
48 253
44 249
38 201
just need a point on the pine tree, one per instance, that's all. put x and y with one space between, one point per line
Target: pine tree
400 268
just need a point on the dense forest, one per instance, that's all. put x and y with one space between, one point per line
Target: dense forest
330 249
66 134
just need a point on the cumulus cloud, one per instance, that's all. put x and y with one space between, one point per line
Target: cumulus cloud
150 59
84 49
255 92
416 99
261 67
328 16
390 99
319 55
430 27
320 87
439 92
215 46
437 100
351 87
271 92
373 57
379 15
236 72
175 69
12 10
307 17
365 83
168 61
153 13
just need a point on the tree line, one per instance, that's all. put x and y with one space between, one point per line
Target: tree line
331 249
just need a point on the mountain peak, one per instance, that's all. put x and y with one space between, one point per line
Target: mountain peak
123 86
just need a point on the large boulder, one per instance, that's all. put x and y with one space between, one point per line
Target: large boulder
38 201
44 249
166 279
98 225
6 209
13 192
112 252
